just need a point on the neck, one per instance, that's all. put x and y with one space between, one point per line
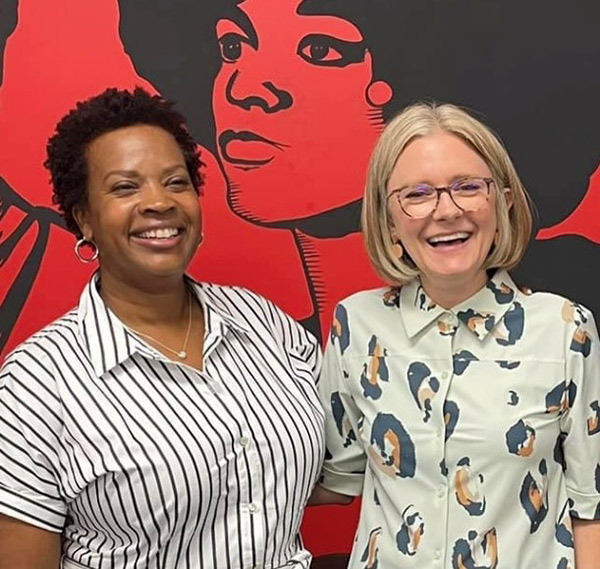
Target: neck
147 305
310 254
452 290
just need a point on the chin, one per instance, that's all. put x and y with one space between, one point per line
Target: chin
254 207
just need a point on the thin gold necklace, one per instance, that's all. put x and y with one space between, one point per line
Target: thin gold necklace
181 354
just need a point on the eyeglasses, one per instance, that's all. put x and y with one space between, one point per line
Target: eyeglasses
421 200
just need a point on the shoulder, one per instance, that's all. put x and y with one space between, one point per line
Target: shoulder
381 298
237 300
553 307
40 355
251 310
368 305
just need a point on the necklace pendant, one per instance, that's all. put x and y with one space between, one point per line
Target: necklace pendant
182 355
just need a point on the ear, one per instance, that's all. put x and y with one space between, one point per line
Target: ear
508 197
82 218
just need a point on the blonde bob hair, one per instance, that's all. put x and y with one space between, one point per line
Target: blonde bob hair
421 119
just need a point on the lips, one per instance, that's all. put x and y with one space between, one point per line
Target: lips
449 239
246 148
157 233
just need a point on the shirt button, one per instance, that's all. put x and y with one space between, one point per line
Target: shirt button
439 433
244 441
252 508
441 492
445 375
437 554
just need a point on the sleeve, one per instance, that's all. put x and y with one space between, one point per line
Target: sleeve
345 458
30 427
581 421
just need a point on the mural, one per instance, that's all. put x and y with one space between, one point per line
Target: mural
286 98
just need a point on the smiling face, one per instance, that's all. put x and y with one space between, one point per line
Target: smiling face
142 210
451 245
295 109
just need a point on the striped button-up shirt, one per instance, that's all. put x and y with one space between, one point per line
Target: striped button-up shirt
143 462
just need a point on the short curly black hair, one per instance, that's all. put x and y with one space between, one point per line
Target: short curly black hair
110 110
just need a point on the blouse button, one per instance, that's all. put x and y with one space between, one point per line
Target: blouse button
445 375
244 441
252 508
437 554
441 492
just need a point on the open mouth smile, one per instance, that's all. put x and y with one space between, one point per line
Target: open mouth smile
449 240
158 238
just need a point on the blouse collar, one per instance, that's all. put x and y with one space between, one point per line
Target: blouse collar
481 313
109 342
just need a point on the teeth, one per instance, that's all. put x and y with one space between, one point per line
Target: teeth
451 237
163 233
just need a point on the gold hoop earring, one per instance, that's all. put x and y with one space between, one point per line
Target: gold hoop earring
82 243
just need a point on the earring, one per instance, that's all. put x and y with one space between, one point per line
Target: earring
397 250
82 243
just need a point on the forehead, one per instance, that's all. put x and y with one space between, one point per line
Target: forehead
133 143
267 15
437 159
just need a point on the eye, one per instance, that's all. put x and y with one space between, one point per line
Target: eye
418 193
122 188
327 51
178 183
470 185
231 46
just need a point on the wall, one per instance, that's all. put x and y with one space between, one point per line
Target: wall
287 98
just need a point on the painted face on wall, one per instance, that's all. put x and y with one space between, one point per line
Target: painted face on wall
450 244
296 110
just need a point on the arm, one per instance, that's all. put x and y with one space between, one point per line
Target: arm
322 496
345 460
23 546
586 537
32 510
581 447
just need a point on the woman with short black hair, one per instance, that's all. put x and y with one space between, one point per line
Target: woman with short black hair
163 422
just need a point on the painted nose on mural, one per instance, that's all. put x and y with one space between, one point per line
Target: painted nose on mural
264 95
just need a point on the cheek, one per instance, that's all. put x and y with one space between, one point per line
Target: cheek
409 231
488 225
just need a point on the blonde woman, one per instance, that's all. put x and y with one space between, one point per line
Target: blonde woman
464 411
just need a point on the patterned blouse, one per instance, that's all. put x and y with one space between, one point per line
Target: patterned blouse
473 434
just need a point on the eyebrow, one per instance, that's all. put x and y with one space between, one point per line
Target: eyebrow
136 174
239 17
454 179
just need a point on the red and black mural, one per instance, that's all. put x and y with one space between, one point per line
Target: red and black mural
286 98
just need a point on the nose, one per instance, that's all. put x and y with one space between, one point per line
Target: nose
446 208
155 198
242 91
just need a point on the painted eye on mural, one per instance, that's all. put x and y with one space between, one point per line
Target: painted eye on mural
231 46
320 49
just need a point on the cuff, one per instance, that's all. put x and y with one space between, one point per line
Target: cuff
585 506
342 482
34 509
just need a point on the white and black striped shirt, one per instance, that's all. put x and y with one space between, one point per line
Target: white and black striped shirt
142 462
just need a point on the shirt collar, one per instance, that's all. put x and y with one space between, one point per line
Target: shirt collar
481 313
109 342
